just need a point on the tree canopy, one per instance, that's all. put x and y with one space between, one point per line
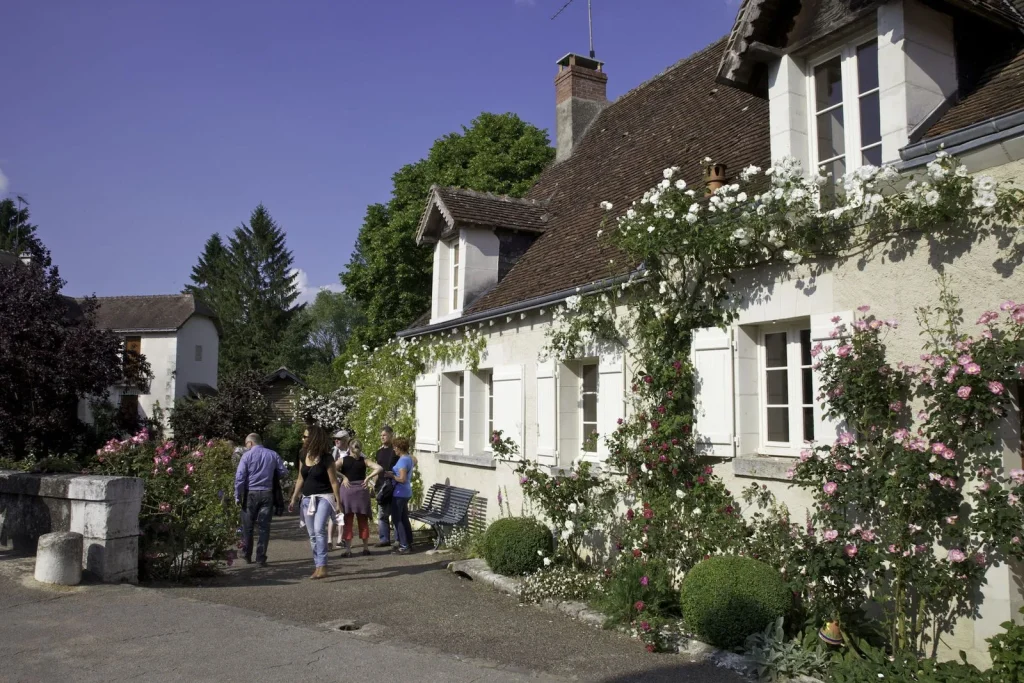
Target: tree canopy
17 234
388 276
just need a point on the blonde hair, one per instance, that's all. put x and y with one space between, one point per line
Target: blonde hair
356 446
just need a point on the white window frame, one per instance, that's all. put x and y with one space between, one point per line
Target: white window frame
455 258
850 105
460 411
489 409
795 388
597 410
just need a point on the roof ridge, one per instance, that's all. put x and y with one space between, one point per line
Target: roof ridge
140 296
481 194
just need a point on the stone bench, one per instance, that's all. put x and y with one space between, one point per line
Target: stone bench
104 510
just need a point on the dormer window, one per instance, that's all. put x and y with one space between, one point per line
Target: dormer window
846 116
456 304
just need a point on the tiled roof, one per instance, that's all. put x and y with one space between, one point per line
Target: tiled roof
468 207
675 119
1000 91
147 313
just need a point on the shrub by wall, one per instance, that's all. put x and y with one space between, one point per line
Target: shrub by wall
517 545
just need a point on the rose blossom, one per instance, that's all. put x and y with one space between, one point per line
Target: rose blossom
996 387
850 550
956 555
644 580
867 535
972 369
948 453
1017 475
830 488
964 391
846 439
831 535
844 350
964 359
639 606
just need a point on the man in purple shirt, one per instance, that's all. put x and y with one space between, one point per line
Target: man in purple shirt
254 491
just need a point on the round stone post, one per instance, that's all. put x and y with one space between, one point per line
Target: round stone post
59 558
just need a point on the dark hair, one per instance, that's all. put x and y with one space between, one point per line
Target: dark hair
318 444
388 429
402 445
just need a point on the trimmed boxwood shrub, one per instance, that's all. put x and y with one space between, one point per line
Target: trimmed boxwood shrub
511 545
725 599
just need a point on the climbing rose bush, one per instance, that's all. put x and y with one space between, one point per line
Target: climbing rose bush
913 506
189 519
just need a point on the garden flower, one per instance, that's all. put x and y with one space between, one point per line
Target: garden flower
831 535
948 453
1017 475
186 490
984 486
679 493
1015 540
639 606
696 512
830 488
951 519
842 466
846 439
896 406
850 550
965 360
607 206
996 387
979 559
972 369
165 508
636 552
920 548
644 580
572 508
988 317
170 470
956 555
844 350
964 391
1013 499
805 455
867 535
191 468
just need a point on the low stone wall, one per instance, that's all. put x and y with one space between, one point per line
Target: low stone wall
105 510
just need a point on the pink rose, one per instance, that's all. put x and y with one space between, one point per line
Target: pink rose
896 406
805 455
956 555
1007 305
830 488
639 606
972 369
951 519
964 391
186 490
1015 540
1017 475
867 535
964 359
170 470
644 581
988 317
996 387
846 439
864 309
831 535
948 453
937 448
842 466
165 508
850 550
844 350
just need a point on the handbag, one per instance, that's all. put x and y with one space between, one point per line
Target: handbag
386 491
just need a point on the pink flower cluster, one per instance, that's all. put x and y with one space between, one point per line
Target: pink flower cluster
116 446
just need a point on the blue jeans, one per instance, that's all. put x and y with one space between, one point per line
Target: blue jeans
400 513
259 509
316 527
384 522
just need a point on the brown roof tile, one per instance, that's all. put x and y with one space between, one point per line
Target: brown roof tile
165 312
499 211
675 119
1000 91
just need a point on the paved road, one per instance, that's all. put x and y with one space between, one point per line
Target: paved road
419 622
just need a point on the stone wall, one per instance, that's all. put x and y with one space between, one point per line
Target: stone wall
105 510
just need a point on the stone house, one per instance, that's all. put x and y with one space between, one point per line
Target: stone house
176 334
833 83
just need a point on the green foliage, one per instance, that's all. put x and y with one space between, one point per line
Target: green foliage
638 588
725 599
517 545
1007 653
285 438
189 517
867 664
330 321
17 234
388 275
249 283
779 659
237 409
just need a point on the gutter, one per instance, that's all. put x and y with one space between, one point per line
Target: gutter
518 307
964 140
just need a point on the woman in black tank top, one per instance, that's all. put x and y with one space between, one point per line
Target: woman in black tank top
318 486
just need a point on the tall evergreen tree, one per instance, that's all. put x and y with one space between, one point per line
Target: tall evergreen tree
388 275
208 274
17 234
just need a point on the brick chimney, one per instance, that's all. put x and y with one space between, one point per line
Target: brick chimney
580 95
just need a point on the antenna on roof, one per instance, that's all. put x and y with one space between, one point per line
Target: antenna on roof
590 21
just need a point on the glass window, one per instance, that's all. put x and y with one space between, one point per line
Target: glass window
776 387
806 385
455 275
462 406
788 388
589 408
870 111
490 406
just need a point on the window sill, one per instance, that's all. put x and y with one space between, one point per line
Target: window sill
482 460
763 466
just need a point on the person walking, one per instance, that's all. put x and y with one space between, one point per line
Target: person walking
341 442
355 494
317 483
403 493
259 470
386 458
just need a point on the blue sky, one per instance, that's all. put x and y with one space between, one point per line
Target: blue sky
137 128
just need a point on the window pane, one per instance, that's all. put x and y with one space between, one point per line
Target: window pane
831 141
778 424
589 442
775 349
805 347
590 407
834 170
870 120
808 424
807 386
873 156
828 84
778 387
589 378
867 66
455 254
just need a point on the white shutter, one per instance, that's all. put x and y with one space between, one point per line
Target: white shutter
611 396
508 403
546 410
427 412
822 325
712 358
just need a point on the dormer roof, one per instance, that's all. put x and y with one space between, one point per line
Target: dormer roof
450 208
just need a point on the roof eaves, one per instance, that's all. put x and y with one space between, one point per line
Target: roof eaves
957 142
433 200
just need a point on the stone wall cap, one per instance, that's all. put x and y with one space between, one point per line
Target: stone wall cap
70 486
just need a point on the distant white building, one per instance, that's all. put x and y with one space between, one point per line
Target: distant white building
179 338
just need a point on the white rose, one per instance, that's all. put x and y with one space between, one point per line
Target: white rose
607 206
679 493
696 512
547 561
572 508
667 173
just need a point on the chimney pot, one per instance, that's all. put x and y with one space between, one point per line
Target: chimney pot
714 178
581 93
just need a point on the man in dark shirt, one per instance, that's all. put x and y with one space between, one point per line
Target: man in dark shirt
254 491
386 458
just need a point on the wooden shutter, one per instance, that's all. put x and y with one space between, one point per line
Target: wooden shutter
427 412
825 429
611 397
712 358
547 409
508 403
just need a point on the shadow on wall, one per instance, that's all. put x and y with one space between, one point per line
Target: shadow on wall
24 515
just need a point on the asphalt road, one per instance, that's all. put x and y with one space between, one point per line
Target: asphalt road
414 620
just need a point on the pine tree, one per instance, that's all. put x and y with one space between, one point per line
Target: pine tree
17 235
208 274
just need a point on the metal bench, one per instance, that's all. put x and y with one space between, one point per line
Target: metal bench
444 508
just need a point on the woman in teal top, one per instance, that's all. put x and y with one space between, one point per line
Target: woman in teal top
403 492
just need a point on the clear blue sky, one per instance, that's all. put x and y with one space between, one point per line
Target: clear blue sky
137 128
